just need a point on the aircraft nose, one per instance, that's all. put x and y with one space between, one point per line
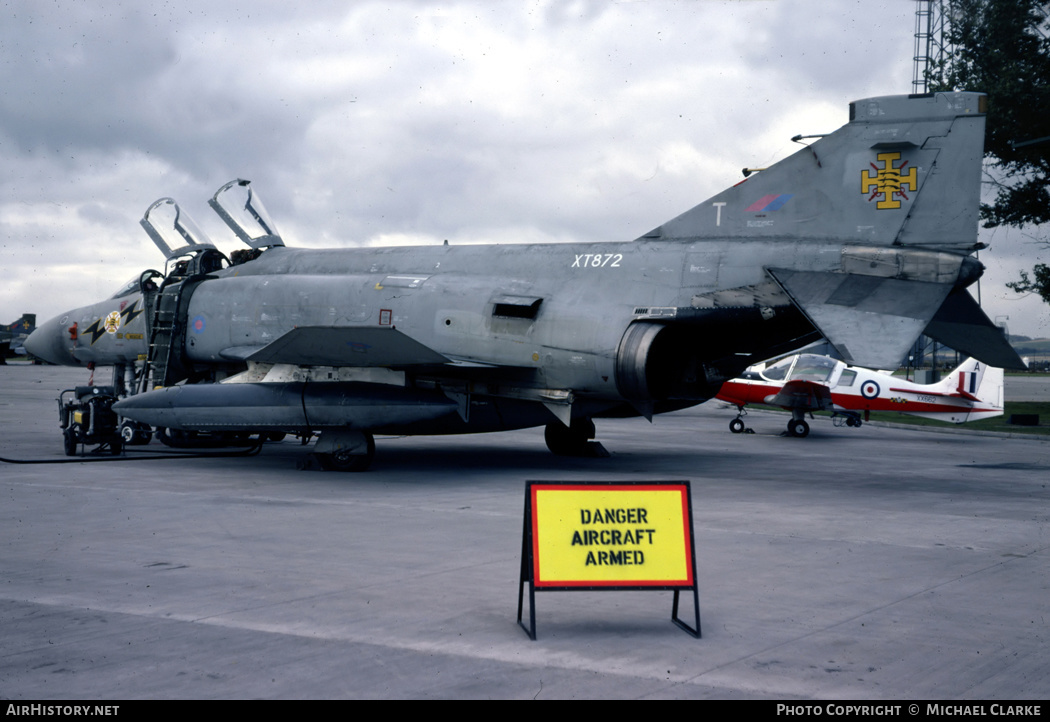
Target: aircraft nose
50 342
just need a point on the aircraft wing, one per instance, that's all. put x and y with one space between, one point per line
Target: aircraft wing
805 395
359 346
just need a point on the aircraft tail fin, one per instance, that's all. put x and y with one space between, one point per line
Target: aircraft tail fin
14 335
978 383
25 324
965 381
905 170
990 392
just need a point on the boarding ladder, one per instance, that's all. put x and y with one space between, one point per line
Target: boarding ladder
166 363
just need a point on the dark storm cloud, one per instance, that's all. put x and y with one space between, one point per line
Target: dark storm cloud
73 75
404 120
86 78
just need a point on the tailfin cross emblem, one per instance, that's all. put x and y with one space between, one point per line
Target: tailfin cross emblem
889 182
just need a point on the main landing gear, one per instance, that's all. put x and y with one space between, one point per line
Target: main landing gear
848 418
135 434
574 440
799 428
796 427
345 450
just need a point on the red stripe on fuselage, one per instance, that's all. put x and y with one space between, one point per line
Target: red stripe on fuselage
742 393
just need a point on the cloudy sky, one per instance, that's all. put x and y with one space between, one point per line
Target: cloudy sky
412 121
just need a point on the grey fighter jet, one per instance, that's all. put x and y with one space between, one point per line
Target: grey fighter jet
862 237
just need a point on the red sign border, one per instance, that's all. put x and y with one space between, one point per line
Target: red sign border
687 523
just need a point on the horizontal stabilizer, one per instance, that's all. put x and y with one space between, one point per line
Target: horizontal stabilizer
939 394
343 346
871 321
962 325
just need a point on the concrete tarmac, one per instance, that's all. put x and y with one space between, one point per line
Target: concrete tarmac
1028 387
880 563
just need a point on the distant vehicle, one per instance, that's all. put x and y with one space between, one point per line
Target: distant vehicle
805 383
13 336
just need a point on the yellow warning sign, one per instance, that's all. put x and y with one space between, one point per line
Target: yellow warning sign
630 535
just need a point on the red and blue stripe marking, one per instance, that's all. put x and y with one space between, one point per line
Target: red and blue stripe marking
770 203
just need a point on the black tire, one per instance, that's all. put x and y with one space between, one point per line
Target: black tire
798 428
69 441
736 426
341 461
569 440
135 434
175 438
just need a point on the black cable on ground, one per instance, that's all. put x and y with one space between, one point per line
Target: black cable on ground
251 451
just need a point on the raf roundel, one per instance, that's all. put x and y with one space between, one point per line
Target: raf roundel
869 390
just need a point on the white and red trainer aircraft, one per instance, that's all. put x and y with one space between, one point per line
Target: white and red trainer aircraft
804 383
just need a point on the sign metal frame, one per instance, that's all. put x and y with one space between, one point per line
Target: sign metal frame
532 531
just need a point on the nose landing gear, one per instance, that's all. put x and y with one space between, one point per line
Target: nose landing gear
737 425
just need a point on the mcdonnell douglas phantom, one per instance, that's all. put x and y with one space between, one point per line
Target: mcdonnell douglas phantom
862 237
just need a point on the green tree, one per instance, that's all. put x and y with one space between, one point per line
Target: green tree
1002 47
1038 283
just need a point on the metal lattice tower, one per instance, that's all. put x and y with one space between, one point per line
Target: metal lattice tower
933 53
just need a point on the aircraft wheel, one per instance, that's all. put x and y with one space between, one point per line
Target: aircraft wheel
853 422
736 426
116 445
569 440
175 438
799 428
69 441
343 461
135 434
